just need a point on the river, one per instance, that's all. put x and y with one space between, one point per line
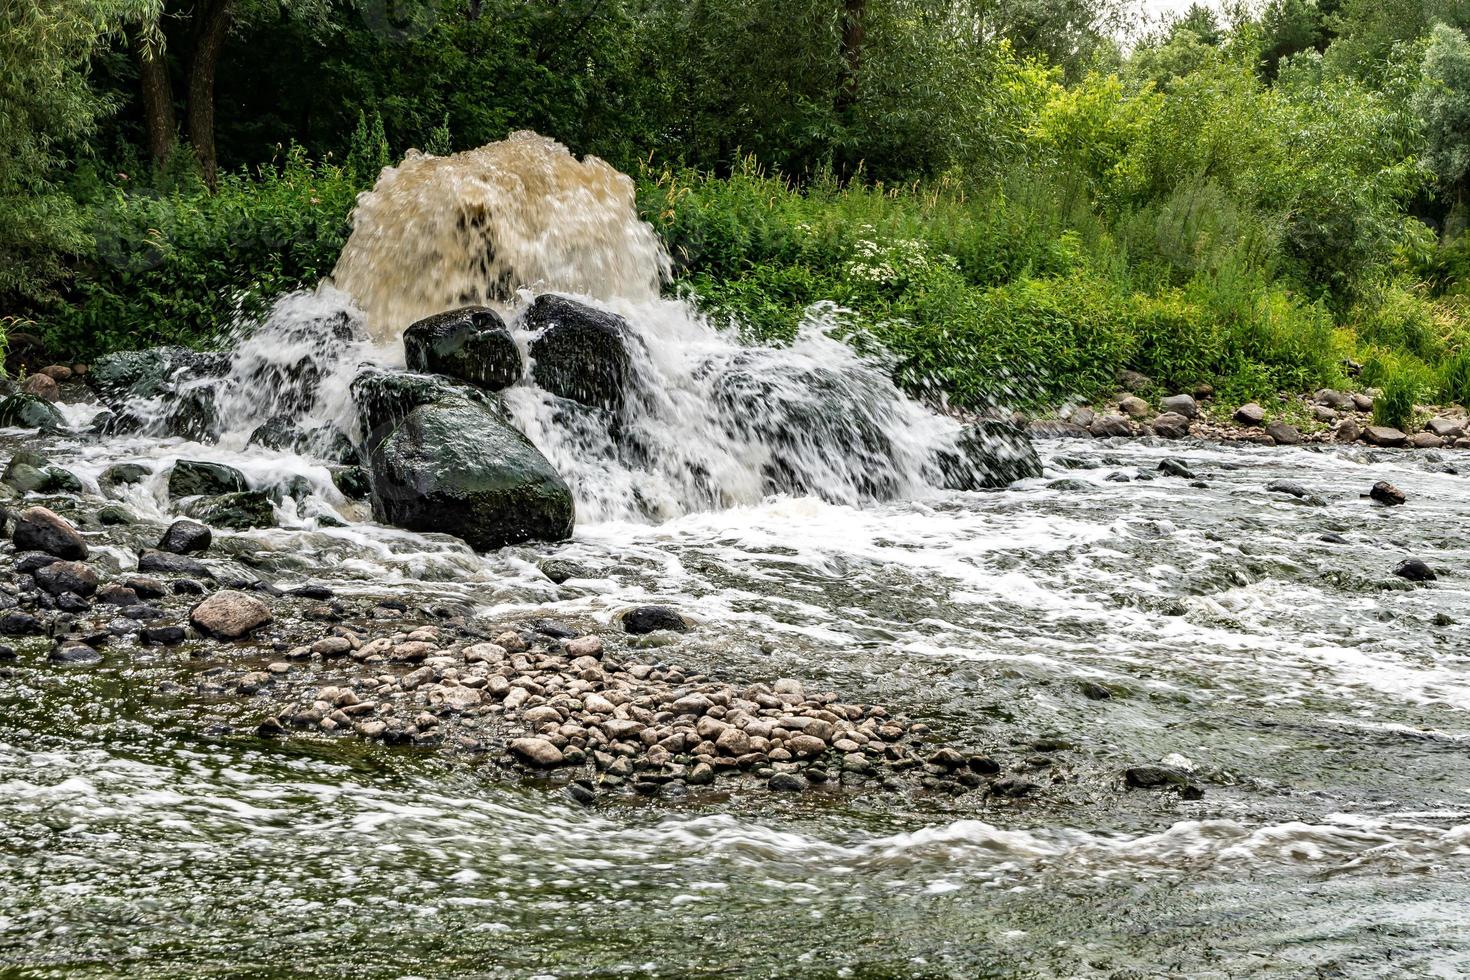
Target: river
1319 701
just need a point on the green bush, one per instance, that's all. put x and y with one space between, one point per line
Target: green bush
1403 380
182 265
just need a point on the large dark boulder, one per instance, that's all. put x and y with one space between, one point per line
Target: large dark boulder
457 466
470 344
29 412
581 353
192 478
988 455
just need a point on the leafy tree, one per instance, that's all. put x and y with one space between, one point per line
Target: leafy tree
46 105
1443 103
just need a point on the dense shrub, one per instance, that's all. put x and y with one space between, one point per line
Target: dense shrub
180 265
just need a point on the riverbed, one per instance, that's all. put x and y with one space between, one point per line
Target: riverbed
1080 623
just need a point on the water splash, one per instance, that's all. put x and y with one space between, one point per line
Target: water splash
704 423
436 233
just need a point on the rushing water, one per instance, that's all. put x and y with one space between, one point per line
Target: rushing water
1319 701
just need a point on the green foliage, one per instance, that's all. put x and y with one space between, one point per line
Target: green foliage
1455 378
1402 381
46 104
181 266
1443 102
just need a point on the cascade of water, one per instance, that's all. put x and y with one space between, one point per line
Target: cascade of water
707 422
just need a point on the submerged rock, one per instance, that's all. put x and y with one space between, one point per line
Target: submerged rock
192 478
1415 570
163 561
470 344
581 353
649 619
456 466
239 511
123 474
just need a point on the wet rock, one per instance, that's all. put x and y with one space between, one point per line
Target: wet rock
279 432
1386 493
537 752
239 511
123 474
470 344
352 482
162 561
229 615
581 353
24 411
1171 425
1176 467
183 537
1184 405
192 478
114 515
1250 414
1415 570
1093 691
561 570
187 586
457 467
1285 435
1133 407
787 782
149 373
318 592
18 623
145 587
1383 435
74 653
39 529
72 577
57 372
1425 440
1014 787
28 562
1153 777
1110 426
1332 537
649 619
1289 488
167 636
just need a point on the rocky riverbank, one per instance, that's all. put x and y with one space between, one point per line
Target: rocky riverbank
1324 416
599 710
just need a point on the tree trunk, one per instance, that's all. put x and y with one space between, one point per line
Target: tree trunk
852 52
158 99
211 23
